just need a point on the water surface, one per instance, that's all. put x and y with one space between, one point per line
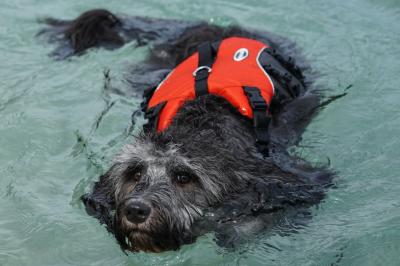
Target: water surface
51 148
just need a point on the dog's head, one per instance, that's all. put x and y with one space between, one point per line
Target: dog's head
158 192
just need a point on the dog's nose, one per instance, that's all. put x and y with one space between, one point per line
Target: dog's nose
136 211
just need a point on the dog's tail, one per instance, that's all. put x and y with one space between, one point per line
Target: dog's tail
90 29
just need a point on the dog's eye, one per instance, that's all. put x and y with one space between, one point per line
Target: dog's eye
183 178
137 176
133 174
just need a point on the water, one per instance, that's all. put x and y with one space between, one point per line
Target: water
51 149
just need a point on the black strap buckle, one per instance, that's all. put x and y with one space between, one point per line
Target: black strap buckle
257 102
261 118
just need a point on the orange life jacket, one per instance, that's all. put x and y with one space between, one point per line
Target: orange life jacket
236 66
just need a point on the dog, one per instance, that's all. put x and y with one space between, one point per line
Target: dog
210 168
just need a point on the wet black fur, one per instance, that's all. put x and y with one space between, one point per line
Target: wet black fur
210 130
91 29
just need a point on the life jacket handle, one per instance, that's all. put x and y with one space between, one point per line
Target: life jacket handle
207 56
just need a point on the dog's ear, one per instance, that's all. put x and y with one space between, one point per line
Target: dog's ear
100 202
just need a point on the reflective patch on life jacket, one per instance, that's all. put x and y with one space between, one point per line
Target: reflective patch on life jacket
241 54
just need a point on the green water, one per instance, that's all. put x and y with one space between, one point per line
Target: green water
51 150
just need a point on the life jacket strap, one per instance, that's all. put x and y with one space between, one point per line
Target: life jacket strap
261 119
206 60
153 115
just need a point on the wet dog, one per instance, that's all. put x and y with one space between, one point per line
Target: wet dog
204 173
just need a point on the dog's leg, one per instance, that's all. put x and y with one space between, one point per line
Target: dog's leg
289 124
100 202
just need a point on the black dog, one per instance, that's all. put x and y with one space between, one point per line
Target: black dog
206 171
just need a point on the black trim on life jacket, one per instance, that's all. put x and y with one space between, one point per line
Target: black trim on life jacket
283 71
261 118
207 54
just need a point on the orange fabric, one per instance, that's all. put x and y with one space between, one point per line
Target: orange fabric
227 79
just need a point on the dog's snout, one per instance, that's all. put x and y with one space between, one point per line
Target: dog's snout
136 211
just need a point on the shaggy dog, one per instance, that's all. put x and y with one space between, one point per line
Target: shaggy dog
204 173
